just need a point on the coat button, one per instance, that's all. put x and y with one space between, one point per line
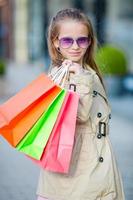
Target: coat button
95 93
100 159
99 136
109 116
99 114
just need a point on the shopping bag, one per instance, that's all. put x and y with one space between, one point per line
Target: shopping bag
35 140
15 133
57 154
17 106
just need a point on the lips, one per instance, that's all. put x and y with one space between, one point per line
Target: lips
74 53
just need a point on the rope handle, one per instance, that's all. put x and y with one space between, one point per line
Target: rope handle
61 74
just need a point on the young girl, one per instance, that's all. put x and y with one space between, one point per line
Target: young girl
93 173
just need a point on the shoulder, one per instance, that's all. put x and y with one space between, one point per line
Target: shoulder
88 73
85 77
87 68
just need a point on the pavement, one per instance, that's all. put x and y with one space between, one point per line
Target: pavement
19 175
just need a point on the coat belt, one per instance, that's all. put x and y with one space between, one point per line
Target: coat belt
102 128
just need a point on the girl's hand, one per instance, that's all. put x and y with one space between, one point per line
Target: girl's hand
67 63
73 67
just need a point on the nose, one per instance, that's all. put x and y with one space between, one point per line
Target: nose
75 45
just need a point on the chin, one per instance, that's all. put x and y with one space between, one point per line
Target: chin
74 59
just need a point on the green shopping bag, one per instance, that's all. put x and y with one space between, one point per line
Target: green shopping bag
35 140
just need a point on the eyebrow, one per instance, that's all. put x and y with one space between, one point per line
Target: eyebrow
66 36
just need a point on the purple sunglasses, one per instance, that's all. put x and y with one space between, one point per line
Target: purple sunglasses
67 42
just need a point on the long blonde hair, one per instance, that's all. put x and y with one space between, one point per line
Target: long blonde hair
53 32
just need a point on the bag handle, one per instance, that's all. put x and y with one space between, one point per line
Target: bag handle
60 75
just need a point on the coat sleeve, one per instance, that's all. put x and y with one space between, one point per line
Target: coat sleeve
84 87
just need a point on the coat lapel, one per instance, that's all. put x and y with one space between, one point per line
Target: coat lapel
98 85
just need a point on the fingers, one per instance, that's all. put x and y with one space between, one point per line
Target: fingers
67 63
72 66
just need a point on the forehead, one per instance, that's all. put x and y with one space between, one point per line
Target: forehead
72 28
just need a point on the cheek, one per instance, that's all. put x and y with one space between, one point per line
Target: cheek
84 51
64 51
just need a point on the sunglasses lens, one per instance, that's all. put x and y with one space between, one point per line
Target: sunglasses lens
83 42
66 42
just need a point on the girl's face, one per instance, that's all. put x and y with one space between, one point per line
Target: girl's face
73 40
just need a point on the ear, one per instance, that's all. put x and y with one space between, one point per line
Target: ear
56 43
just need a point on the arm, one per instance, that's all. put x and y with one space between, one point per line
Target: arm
84 87
83 80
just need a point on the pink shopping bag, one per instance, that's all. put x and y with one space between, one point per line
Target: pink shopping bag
57 153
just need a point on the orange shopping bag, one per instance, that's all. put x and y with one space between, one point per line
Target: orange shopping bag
20 112
16 132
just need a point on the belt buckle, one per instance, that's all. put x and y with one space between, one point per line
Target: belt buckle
102 128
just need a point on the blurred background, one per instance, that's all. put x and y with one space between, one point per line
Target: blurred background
24 55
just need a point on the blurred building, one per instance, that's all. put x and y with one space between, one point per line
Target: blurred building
119 26
21 30
35 29
23 25
6 29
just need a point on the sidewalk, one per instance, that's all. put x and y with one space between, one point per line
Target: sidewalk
121 131
17 77
19 176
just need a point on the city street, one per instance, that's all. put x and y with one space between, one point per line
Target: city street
19 175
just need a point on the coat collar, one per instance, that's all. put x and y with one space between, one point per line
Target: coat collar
99 87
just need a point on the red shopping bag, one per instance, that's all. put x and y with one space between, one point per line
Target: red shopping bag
57 153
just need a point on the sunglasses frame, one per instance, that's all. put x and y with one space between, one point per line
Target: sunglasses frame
77 39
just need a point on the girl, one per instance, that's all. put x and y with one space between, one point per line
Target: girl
93 173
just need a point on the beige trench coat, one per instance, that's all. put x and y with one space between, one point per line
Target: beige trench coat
93 173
